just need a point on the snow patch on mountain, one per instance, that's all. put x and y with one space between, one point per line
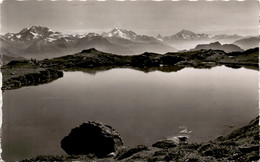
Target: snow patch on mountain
92 35
118 33
121 33
18 36
50 39
35 35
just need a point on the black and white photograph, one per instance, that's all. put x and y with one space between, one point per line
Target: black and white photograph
86 80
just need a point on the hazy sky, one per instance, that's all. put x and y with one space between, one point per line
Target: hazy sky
147 17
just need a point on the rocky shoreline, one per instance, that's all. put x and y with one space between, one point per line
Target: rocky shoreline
240 145
21 73
44 76
24 73
94 59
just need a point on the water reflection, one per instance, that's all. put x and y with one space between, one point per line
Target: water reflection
142 107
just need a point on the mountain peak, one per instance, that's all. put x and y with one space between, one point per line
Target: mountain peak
186 32
34 32
38 27
116 29
89 50
24 30
159 36
35 29
216 43
93 34
121 33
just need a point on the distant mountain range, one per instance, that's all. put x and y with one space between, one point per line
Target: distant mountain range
247 43
41 42
187 35
186 39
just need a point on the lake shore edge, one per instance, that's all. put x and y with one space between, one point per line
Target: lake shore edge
240 145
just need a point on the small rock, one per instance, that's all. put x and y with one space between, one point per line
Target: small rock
112 154
182 138
247 149
166 143
220 137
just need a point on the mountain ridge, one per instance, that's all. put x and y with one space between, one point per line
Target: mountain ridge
187 34
247 43
41 42
37 40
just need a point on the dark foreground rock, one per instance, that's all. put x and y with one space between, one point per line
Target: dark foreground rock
241 145
92 138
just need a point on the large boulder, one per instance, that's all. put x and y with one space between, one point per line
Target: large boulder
92 138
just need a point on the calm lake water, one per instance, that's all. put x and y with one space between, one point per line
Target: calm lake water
142 107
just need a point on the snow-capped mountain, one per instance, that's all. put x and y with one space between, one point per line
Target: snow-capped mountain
159 37
117 33
42 41
186 39
29 34
35 40
138 43
189 35
186 34
36 33
120 33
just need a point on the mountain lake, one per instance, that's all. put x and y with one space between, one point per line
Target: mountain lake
143 107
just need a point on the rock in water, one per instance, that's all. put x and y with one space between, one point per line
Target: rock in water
92 137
